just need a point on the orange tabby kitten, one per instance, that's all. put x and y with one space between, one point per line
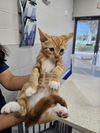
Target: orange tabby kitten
39 100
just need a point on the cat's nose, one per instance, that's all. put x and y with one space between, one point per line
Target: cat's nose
56 56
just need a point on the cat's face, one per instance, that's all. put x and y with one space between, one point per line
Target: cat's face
54 46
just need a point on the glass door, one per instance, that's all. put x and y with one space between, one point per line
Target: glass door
85 45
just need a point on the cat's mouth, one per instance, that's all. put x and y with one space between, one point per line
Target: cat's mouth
56 58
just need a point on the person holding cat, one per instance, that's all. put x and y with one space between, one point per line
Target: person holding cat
12 83
39 100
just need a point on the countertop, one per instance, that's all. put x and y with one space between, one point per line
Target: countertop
82 116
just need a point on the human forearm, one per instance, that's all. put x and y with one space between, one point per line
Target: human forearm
17 82
12 82
7 121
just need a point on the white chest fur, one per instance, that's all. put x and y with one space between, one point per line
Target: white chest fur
48 65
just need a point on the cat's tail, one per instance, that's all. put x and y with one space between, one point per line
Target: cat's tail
45 103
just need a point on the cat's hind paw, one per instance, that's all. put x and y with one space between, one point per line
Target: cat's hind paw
29 92
61 111
62 114
10 107
54 84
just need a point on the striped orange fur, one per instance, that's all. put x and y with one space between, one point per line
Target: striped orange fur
44 80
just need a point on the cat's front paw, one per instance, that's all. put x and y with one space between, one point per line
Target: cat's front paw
29 92
10 107
54 84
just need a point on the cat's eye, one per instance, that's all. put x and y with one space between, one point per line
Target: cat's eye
62 50
51 49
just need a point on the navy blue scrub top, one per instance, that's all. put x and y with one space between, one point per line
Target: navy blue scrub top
3 67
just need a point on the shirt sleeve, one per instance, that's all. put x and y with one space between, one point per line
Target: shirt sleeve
3 66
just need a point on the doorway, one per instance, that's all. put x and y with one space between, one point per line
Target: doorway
86 45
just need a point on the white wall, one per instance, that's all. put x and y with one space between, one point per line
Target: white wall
50 19
85 8
9 32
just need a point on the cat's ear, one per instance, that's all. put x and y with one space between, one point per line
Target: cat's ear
43 36
67 37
